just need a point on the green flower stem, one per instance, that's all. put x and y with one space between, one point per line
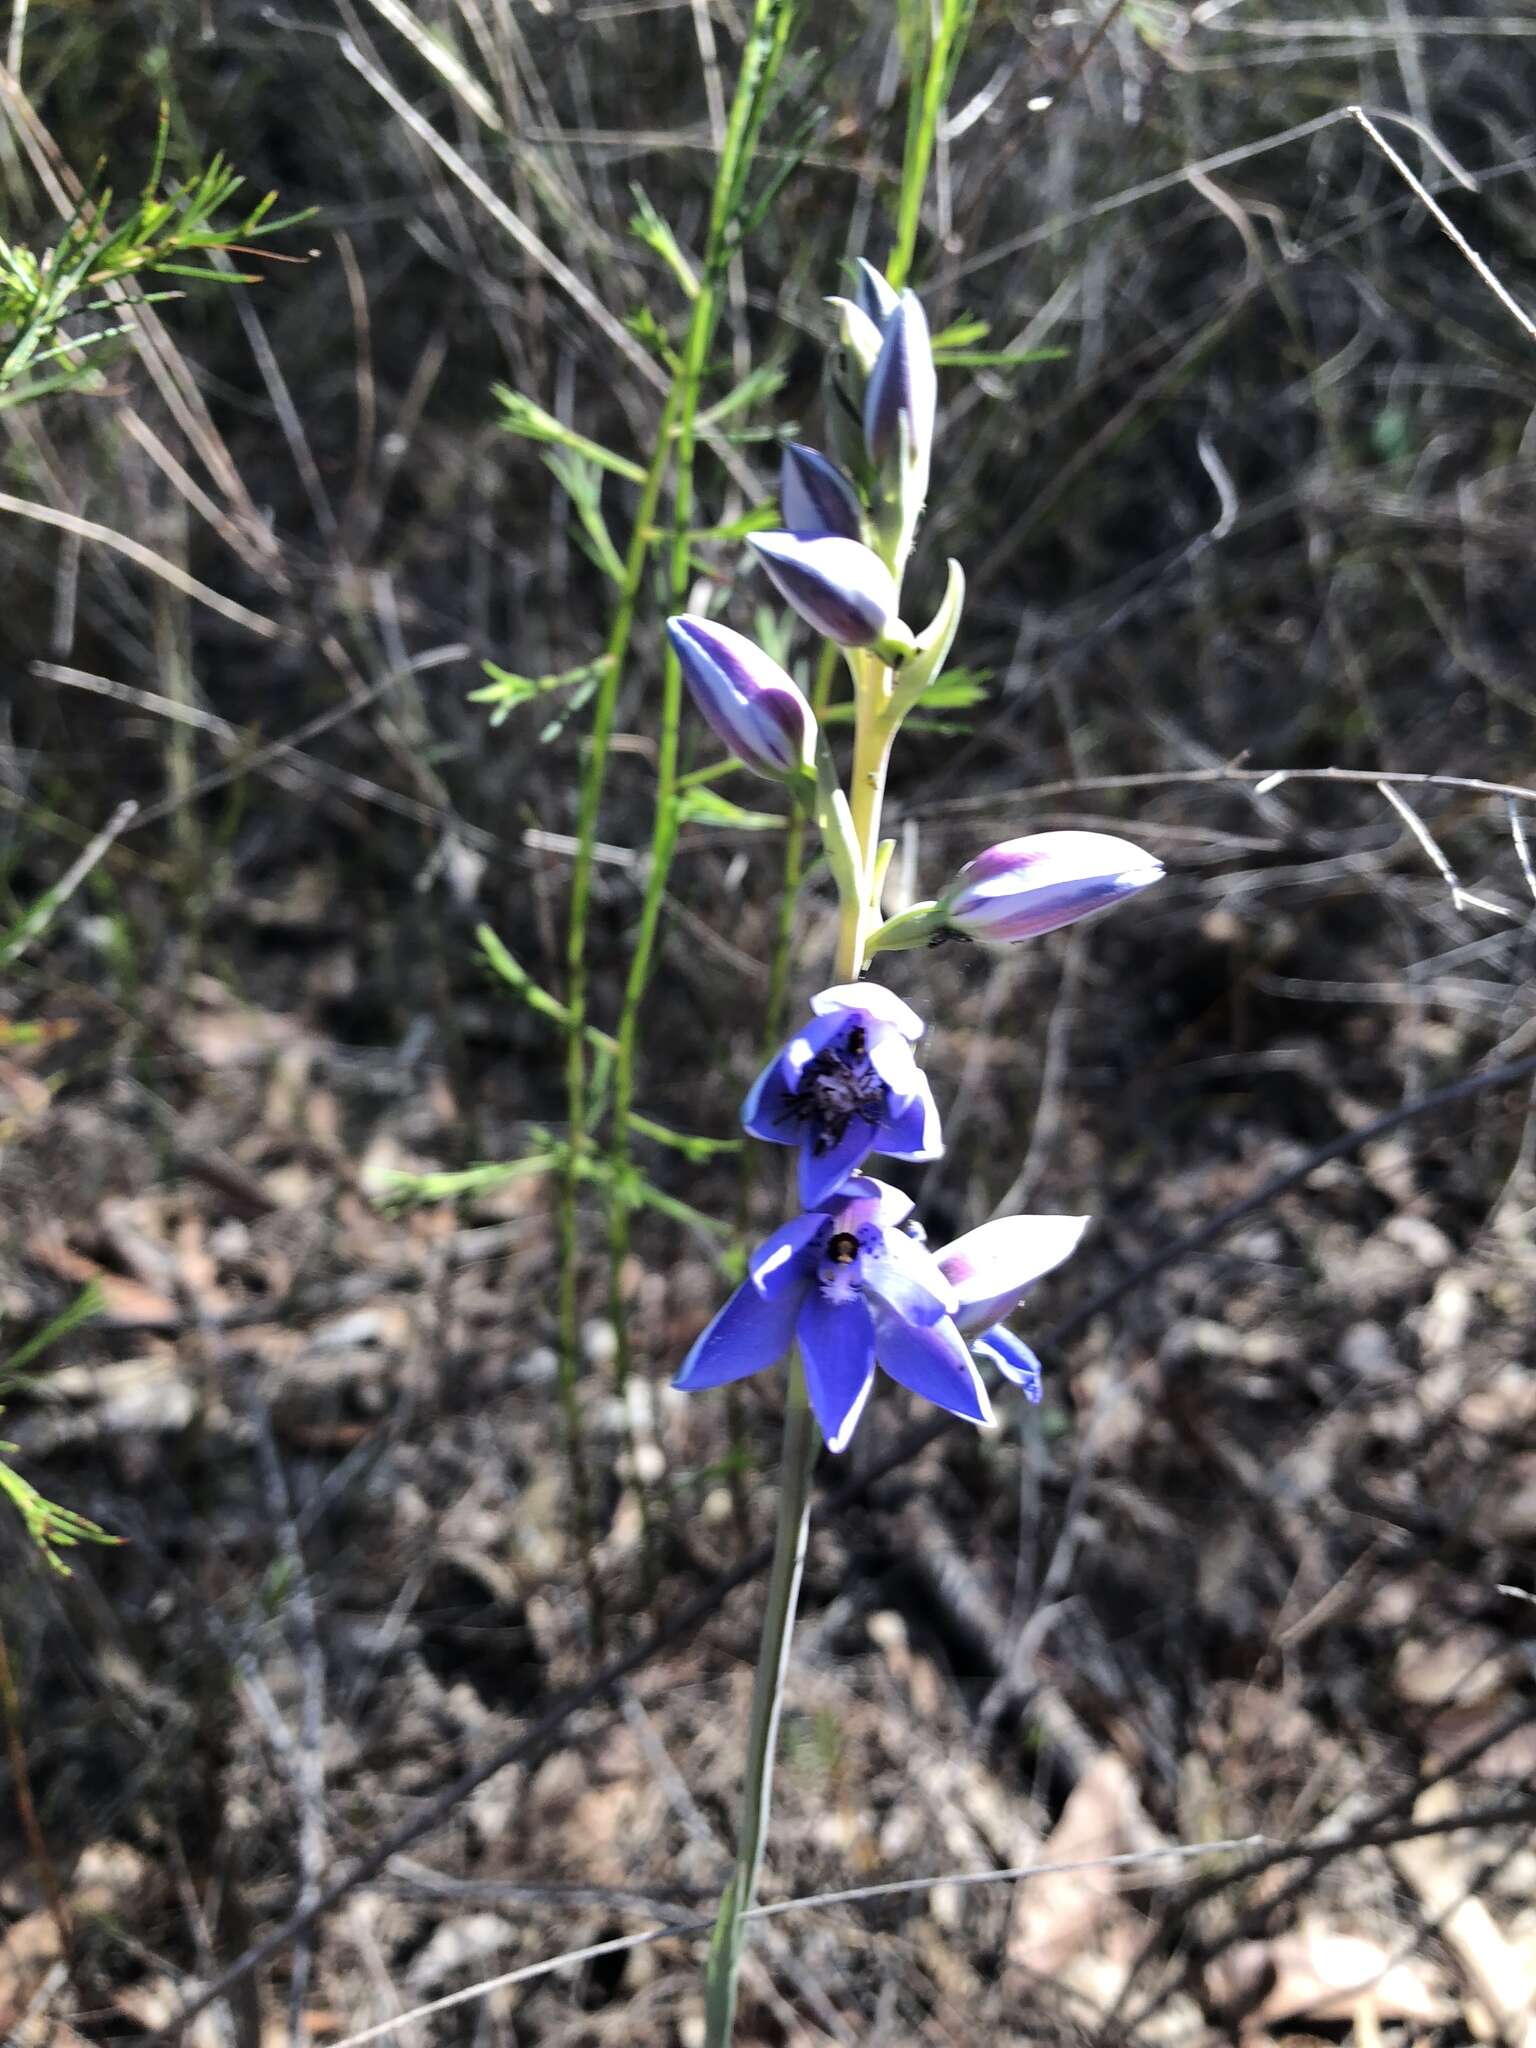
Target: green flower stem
636 562
802 1440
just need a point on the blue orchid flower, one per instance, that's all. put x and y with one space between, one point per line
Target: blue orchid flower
854 1291
847 1085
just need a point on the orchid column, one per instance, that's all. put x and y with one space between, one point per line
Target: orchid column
849 1286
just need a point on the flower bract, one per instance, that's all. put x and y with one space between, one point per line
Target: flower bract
753 708
847 1285
844 1086
1024 887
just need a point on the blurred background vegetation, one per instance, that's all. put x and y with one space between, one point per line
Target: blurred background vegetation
1239 459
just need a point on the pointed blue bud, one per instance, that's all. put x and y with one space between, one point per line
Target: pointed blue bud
900 404
816 497
756 711
841 588
872 295
903 390
1037 884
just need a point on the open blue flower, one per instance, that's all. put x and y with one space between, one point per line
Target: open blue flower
847 1285
845 1086
991 1270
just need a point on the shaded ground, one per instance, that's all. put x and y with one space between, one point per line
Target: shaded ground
1241 1575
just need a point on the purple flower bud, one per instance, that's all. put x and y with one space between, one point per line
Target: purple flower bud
816 497
1028 886
902 387
753 708
836 585
872 295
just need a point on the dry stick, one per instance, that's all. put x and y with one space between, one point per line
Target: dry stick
15 942
326 776
1168 181
1522 850
157 565
619 1944
21 1785
1378 1829
1262 781
1460 897
516 231
1497 1813
1421 191
532 1744
282 749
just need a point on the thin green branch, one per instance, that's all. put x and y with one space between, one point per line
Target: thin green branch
930 86
767 42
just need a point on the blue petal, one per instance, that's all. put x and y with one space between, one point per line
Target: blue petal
751 1331
1012 1357
865 1200
890 1055
765 1113
837 1342
822 1173
815 495
876 1001
993 1267
906 1277
913 1133
933 1362
781 1261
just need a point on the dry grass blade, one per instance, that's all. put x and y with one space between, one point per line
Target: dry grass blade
146 558
778 1908
517 231
1501 292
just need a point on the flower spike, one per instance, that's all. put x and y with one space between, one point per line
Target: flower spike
753 708
1048 879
